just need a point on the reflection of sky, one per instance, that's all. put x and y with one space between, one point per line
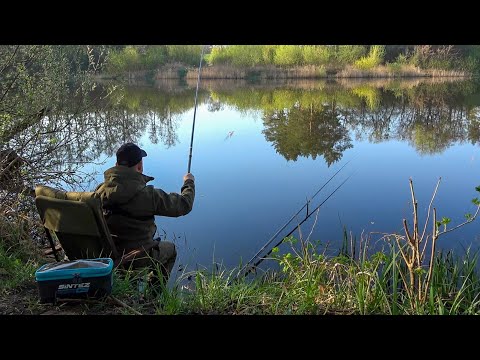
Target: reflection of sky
245 191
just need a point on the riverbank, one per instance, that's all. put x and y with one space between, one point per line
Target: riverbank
375 273
179 71
308 282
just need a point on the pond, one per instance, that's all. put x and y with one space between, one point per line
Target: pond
261 150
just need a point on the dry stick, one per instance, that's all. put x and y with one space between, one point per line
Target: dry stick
409 237
432 254
121 303
9 166
425 246
7 64
428 216
409 260
413 240
416 237
415 223
400 272
94 301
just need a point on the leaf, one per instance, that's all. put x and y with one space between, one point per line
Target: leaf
446 220
476 201
468 216
275 249
477 188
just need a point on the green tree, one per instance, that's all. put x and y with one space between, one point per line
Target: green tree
43 87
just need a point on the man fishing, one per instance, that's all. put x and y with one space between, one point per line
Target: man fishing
130 205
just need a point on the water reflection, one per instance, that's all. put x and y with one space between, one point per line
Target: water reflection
301 119
315 121
305 132
306 119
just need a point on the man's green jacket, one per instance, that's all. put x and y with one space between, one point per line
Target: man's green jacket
130 205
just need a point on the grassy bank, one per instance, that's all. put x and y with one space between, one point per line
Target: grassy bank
308 282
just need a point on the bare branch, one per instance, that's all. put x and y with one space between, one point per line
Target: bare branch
462 224
409 237
429 207
10 60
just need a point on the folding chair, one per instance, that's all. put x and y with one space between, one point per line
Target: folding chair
76 220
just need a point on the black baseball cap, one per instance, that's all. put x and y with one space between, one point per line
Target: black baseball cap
129 154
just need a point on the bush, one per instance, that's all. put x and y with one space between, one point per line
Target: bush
288 55
187 54
316 54
348 54
154 56
374 58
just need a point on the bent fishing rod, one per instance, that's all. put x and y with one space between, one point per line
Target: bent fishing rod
195 110
292 218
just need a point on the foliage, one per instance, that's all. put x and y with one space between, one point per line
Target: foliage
288 55
316 54
439 57
150 57
187 54
36 79
348 54
374 58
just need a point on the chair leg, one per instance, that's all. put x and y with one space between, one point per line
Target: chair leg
52 244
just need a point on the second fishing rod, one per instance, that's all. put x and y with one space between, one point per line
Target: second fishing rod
289 221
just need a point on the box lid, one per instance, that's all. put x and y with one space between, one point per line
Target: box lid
69 269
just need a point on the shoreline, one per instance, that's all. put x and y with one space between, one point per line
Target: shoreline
223 72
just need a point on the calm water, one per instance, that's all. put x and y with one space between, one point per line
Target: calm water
261 150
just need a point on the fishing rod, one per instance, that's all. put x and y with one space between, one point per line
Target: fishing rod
290 233
195 110
293 217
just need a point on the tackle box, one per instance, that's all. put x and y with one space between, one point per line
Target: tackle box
82 278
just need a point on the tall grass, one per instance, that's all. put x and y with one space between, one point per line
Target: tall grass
19 257
14 270
311 283
359 280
